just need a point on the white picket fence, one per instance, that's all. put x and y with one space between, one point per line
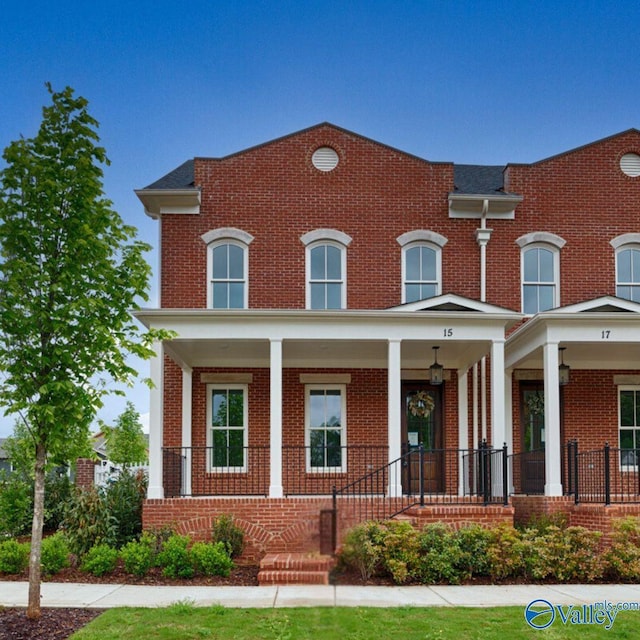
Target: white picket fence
106 471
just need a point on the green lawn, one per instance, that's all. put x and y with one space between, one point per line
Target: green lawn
183 622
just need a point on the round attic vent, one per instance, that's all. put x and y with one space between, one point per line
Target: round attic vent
325 159
630 164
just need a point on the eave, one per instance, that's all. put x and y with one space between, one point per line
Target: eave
477 205
158 202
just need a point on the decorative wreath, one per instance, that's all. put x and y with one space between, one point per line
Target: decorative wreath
421 404
535 404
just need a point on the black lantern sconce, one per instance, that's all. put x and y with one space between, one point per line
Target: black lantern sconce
563 369
436 370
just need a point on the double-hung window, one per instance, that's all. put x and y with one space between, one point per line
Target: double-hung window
326 427
227 427
629 415
628 273
227 268
540 269
326 268
421 264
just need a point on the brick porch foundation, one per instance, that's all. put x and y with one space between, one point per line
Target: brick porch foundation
292 525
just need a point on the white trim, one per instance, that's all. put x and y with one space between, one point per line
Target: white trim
555 252
543 237
210 428
343 426
421 235
325 378
628 468
438 281
226 240
325 234
342 248
628 246
227 233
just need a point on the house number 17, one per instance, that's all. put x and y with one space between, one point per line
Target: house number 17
606 334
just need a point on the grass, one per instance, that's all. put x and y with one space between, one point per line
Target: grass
183 621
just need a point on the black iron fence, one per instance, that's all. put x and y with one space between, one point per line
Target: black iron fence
608 475
429 476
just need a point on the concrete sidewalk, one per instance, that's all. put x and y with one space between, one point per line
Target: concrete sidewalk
104 596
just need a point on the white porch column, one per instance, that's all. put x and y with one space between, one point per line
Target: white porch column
508 418
552 450
187 411
275 440
463 426
394 409
498 434
156 411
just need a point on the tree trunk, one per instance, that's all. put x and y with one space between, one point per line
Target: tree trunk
35 571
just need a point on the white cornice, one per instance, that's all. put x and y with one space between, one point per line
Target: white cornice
169 201
472 206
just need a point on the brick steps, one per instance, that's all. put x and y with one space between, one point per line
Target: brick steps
295 568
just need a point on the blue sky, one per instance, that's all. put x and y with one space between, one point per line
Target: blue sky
486 82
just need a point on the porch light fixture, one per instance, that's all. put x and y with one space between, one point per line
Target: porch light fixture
435 370
563 369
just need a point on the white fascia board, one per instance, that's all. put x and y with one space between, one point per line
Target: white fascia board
471 206
582 307
169 201
451 298
301 325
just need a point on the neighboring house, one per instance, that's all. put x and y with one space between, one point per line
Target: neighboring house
5 464
337 303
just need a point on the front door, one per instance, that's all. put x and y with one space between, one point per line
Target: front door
422 424
532 470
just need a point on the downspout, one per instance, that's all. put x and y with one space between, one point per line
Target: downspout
482 238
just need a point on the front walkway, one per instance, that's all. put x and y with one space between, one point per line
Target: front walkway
104 596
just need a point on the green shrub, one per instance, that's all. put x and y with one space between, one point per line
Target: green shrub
211 559
16 505
100 559
139 557
55 554
14 556
123 498
57 493
87 521
175 557
230 534
361 549
623 556
473 542
400 550
506 553
440 557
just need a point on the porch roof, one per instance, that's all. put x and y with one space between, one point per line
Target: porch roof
603 333
344 338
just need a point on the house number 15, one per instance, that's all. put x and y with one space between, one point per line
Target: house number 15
447 333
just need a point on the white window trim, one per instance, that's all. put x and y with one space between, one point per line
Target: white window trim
210 428
245 262
619 249
438 252
626 467
342 388
555 250
343 269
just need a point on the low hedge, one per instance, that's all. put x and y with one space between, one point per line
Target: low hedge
547 551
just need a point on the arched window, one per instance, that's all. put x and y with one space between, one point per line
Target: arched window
326 269
540 269
227 268
421 264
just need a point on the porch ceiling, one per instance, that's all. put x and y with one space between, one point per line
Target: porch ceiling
347 353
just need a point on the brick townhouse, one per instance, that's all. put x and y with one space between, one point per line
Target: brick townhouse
361 332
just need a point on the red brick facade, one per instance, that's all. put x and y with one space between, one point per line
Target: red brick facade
374 195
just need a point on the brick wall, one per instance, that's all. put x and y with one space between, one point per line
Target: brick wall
85 473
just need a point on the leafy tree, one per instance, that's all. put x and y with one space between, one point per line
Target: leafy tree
70 272
125 441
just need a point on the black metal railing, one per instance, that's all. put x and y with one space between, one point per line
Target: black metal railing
239 471
606 476
428 476
315 470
